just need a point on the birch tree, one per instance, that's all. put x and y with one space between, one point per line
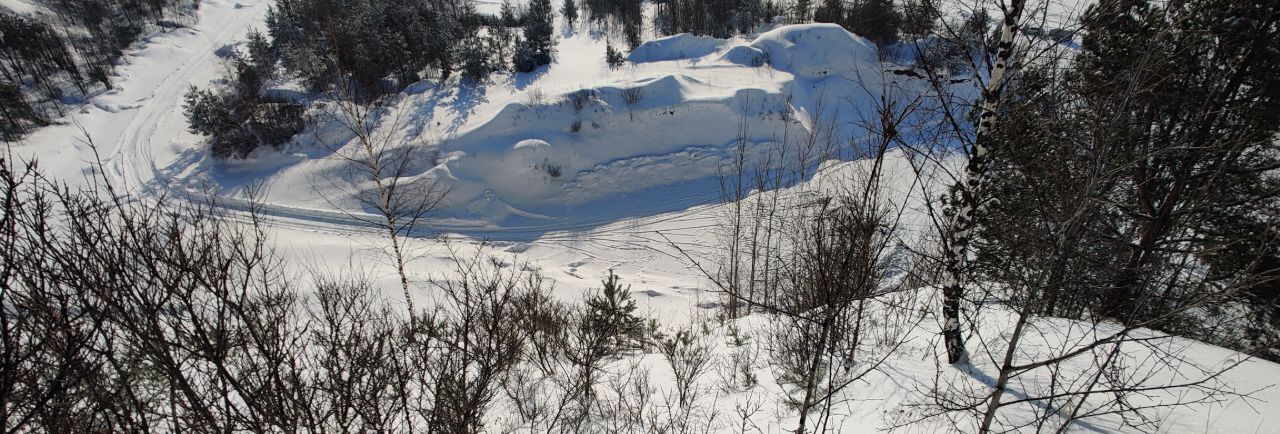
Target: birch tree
965 193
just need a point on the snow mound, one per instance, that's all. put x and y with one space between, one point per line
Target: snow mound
548 158
811 51
675 47
532 144
744 55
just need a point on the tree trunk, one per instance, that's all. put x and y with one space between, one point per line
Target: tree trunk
967 187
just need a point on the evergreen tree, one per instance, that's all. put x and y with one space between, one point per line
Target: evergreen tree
570 11
800 12
830 11
538 45
1157 149
613 57
918 18
239 118
1199 111
508 14
613 313
260 55
17 113
367 41
876 20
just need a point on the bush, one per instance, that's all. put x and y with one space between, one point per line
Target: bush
613 57
581 98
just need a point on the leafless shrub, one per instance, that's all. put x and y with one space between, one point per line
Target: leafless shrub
581 98
473 327
631 96
535 98
688 352
553 170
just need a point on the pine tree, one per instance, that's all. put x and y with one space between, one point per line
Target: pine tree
1188 90
613 57
1157 146
508 14
876 20
538 44
16 111
800 12
918 18
570 11
613 312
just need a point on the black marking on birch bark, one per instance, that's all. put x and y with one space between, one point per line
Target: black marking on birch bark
967 189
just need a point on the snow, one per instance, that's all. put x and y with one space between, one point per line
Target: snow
612 196
22 6
675 47
816 51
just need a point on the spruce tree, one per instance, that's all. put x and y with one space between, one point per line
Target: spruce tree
613 57
1188 90
538 45
800 11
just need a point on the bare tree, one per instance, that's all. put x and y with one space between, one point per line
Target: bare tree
401 197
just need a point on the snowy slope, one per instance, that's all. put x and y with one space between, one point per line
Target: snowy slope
516 154
634 180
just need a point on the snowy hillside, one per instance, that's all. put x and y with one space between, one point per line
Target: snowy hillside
579 170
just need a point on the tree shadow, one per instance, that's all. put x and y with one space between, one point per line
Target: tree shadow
987 380
463 104
522 80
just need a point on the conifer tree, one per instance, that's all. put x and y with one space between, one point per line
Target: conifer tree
538 45
570 11
876 20
830 11
613 311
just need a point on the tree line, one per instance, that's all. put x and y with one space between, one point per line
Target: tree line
67 52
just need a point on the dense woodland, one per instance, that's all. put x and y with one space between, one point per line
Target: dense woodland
1129 183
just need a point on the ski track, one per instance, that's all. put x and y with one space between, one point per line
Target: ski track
132 166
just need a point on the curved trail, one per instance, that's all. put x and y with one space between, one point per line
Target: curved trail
132 165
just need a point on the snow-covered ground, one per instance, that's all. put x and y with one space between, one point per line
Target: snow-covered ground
634 179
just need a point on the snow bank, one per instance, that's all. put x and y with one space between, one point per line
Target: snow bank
810 51
538 159
675 47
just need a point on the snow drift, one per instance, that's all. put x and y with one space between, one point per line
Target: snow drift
675 47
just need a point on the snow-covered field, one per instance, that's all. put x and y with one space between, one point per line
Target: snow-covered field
637 177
